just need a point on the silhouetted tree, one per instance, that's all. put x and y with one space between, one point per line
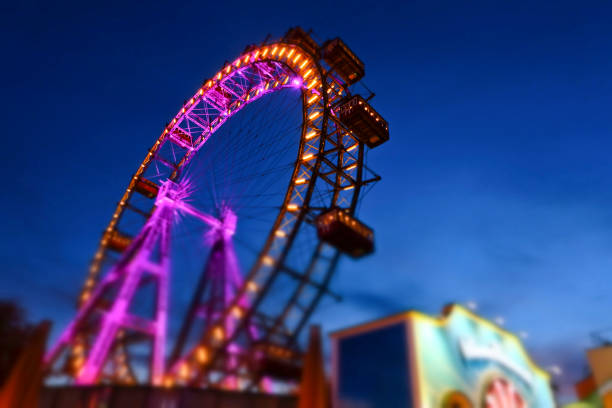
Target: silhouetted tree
14 331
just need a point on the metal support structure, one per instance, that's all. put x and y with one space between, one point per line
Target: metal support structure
110 307
216 288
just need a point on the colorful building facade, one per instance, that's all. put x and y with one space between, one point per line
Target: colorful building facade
595 391
457 360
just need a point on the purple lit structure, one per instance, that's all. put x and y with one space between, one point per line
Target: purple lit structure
217 288
231 336
148 258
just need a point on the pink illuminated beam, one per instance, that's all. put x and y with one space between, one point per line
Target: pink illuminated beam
208 219
147 257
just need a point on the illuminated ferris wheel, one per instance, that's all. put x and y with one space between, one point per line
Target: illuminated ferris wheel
250 190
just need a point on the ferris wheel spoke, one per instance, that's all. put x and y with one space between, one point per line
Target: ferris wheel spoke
225 181
258 151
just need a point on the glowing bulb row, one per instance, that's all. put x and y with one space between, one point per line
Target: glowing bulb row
285 52
374 115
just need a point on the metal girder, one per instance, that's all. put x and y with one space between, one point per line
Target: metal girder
195 118
138 210
166 163
306 279
127 277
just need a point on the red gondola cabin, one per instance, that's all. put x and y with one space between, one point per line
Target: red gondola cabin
146 187
118 241
298 37
342 60
363 121
349 235
181 138
278 361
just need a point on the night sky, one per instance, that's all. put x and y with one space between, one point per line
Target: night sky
496 181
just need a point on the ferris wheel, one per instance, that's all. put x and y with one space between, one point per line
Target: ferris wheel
248 200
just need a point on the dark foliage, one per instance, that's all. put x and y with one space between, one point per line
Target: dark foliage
14 331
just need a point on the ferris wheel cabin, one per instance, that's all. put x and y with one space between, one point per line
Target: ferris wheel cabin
118 241
276 361
345 232
369 127
342 60
299 37
146 187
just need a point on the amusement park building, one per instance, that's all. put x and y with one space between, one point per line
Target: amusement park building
456 360
595 391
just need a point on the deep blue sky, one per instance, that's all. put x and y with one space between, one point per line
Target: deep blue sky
496 181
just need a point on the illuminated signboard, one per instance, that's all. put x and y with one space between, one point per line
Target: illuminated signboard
461 352
458 360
